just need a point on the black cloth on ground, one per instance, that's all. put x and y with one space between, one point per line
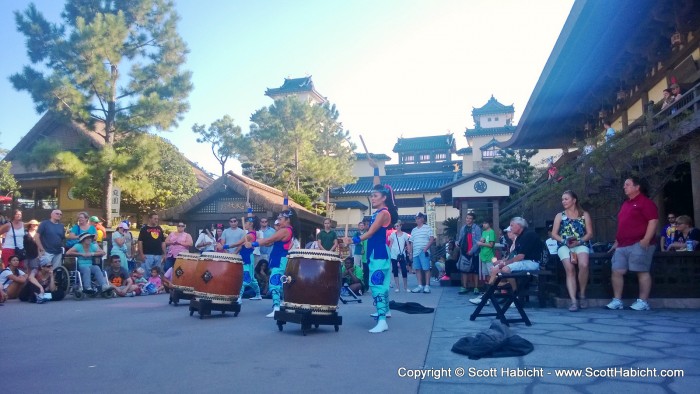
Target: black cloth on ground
411 308
495 342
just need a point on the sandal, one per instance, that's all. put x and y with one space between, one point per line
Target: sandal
583 303
573 307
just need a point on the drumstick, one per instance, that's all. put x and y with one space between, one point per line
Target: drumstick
346 225
247 196
364 146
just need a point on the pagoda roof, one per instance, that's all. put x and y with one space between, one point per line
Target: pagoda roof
402 184
493 107
375 156
490 144
434 142
481 131
465 151
294 85
350 204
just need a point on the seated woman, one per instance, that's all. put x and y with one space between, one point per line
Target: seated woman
40 284
12 280
85 251
262 274
684 232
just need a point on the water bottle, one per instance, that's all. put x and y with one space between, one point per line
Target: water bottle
689 245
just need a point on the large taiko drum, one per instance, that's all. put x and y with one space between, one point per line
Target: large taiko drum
219 277
183 275
312 281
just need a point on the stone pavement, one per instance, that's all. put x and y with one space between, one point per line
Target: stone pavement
593 338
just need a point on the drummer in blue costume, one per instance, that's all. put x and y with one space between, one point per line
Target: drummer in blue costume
281 242
252 225
384 217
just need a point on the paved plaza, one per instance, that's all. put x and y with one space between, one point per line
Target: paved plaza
144 345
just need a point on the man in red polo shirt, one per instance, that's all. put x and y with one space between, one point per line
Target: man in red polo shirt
634 244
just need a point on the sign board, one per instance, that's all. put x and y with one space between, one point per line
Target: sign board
431 214
116 201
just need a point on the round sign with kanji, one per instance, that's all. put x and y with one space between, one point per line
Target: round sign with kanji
480 186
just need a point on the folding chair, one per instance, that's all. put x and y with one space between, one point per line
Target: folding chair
348 293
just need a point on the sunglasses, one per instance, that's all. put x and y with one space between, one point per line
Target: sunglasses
47 266
181 225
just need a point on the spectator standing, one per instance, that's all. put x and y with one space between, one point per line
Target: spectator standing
152 243
668 99
14 239
668 233
231 236
120 243
609 131
50 237
177 242
634 247
676 92
486 251
30 245
421 239
79 229
327 238
206 242
573 229
468 243
398 244
266 231
685 232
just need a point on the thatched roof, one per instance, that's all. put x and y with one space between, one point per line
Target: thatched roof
261 194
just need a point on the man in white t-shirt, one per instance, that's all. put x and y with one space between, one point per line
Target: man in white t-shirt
421 240
552 245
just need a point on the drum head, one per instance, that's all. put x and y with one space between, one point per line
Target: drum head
313 254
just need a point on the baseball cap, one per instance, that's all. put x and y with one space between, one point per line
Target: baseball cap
124 226
420 215
94 219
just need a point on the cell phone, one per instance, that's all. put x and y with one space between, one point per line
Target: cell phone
427 254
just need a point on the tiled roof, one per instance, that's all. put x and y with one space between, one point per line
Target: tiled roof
376 156
351 205
493 107
489 131
292 85
465 151
434 142
441 166
402 184
490 144
410 202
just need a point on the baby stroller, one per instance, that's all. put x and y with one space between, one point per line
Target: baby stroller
75 284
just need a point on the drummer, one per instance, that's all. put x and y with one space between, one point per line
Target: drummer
378 256
252 225
281 242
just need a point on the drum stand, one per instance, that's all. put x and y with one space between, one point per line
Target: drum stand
177 295
307 319
204 307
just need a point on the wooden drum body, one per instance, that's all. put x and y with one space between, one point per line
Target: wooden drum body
219 277
184 269
312 280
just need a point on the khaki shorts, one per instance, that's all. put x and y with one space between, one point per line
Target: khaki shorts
633 258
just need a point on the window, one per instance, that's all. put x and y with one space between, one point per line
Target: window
424 158
441 156
408 159
489 119
489 153
39 198
496 118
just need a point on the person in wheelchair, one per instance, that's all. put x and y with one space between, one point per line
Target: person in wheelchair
352 275
85 251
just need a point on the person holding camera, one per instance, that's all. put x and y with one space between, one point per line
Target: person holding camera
421 239
397 245
573 229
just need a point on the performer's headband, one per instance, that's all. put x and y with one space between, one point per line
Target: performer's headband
286 214
387 191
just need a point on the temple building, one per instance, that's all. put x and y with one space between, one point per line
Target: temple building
302 88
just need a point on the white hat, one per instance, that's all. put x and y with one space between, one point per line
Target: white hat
123 225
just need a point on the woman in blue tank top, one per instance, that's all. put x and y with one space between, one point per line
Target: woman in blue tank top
281 242
386 214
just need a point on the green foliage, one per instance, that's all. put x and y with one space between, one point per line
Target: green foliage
451 227
298 147
8 183
514 164
225 138
77 72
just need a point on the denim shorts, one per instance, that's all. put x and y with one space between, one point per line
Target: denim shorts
421 262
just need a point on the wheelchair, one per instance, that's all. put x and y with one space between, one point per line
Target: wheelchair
69 279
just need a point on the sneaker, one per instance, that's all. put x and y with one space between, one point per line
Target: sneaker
426 289
39 298
445 278
106 287
640 305
375 314
130 294
616 303
256 298
391 285
397 290
272 314
463 290
417 289
477 301
476 291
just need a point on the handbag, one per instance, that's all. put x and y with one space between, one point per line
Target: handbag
20 253
464 264
401 257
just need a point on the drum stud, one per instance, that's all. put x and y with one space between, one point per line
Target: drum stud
207 276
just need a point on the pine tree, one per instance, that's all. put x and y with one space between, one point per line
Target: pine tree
77 70
514 164
225 138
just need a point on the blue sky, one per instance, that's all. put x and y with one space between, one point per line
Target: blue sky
393 67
